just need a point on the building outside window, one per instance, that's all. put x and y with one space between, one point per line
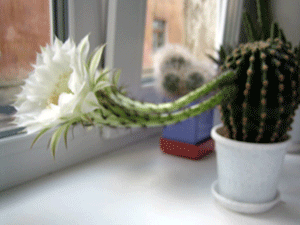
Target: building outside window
190 23
20 39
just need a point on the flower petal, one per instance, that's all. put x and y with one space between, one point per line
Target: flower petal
84 47
90 103
58 89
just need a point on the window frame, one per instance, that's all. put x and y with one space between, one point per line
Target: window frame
60 20
19 163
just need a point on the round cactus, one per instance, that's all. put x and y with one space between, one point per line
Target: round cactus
268 88
177 71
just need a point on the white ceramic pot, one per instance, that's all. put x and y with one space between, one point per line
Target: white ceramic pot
248 173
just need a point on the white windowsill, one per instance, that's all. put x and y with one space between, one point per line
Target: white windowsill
140 185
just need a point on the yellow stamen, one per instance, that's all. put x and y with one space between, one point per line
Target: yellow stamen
60 87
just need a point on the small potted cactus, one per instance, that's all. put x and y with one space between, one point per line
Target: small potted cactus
252 142
255 123
177 72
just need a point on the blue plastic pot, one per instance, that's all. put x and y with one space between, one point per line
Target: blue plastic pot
193 130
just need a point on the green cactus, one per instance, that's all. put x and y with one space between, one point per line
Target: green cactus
260 103
268 81
261 96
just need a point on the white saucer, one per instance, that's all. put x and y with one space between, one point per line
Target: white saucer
294 148
240 206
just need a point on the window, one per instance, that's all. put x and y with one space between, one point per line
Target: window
18 161
159 33
192 24
20 40
121 24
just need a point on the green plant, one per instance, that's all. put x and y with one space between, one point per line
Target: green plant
258 92
261 29
261 95
268 80
258 95
178 72
224 51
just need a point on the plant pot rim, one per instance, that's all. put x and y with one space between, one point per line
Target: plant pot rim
216 136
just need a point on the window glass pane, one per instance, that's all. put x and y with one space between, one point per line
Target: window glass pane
159 32
190 23
24 27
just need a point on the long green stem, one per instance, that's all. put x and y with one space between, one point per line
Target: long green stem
138 120
220 81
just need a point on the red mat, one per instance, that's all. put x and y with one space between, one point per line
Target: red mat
185 150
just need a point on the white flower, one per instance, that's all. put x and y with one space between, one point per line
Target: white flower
59 88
